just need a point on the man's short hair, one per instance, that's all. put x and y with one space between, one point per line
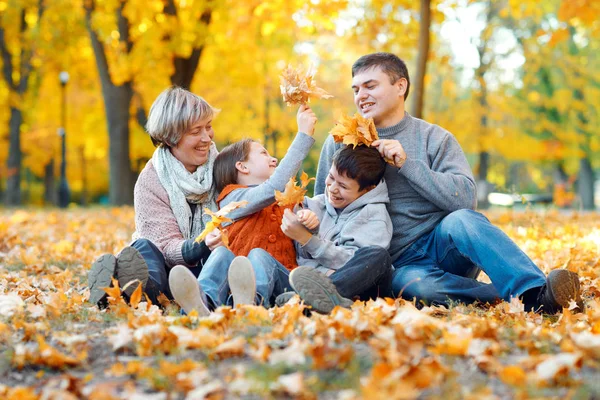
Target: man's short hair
173 113
389 63
363 164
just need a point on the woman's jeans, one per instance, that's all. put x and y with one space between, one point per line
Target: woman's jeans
158 273
442 266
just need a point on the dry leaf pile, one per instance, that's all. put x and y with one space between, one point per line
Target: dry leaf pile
293 193
355 130
298 86
53 344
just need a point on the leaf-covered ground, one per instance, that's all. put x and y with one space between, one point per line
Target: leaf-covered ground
54 345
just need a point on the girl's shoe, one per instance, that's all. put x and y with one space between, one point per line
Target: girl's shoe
186 291
99 277
242 281
131 266
317 290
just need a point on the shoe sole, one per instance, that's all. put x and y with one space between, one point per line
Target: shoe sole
186 291
242 281
317 290
131 266
100 276
565 287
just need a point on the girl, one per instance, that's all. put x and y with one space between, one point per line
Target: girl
245 171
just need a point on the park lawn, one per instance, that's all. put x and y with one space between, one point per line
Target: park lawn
53 343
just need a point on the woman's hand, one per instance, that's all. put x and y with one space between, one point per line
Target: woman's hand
392 150
214 240
306 120
308 218
293 228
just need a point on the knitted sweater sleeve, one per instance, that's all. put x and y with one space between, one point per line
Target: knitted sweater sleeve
325 160
448 182
154 218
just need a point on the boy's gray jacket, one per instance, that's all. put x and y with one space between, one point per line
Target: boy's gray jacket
364 222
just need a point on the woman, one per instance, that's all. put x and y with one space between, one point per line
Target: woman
169 200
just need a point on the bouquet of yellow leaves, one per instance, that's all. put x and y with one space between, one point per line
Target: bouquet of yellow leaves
218 218
354 130
298 87
293 194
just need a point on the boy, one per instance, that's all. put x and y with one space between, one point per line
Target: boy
348 256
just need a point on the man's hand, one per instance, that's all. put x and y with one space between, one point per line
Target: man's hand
214 239
391 150
308 218
293 228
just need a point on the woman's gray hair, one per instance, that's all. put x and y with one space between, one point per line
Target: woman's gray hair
173 112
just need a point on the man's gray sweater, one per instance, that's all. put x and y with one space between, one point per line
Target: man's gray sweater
435 180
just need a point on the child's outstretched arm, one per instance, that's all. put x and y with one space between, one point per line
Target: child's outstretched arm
262 195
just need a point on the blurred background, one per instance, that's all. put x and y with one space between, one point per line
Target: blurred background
516 81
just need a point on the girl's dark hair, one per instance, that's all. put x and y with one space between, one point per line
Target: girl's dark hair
363 164
224 171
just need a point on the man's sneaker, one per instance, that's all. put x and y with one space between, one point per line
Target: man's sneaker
186 291
131 266
562 287
99 276
242 281
283 298
317 290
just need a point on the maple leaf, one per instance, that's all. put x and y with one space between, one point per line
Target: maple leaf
136 297
293 194
298 87
217 220
114 291
355 130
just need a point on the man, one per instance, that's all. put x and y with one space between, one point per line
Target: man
439 243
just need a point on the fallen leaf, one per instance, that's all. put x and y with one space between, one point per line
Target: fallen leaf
298 87
355 130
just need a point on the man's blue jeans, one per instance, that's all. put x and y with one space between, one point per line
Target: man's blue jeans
272 278
443 265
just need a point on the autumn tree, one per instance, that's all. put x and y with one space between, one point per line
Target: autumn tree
19 38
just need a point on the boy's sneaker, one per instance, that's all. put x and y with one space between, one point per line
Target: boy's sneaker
186 291
242 281
99 276
561 287
131 266
283 298
317 290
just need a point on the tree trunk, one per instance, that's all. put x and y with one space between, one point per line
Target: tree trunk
13 180
117 100
84 182
423 55
586 184
49 184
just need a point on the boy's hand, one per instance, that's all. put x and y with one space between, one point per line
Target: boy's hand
294 229
214 239
391 150
308 218
306 120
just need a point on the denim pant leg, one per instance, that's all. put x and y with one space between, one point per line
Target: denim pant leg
445 259
272 277
213 276
368 274
158 281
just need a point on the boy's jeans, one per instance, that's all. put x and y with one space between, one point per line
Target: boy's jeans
442 265
272 278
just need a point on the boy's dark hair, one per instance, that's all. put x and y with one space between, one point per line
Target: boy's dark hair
363 164
389 63
224 171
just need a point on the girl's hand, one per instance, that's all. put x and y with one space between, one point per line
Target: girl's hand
294 229
306 120
308 218
214 239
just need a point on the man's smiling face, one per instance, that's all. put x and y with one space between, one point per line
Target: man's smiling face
375 96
